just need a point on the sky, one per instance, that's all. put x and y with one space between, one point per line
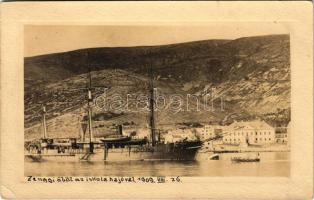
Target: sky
45 39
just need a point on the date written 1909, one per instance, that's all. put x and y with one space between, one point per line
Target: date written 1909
159 179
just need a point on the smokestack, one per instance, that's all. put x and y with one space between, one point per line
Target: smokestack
119 129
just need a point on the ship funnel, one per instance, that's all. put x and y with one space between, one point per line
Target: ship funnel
119 129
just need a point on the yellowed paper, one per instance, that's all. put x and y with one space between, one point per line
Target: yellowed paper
225 107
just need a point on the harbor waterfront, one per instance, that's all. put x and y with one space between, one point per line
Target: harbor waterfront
271 164
83 126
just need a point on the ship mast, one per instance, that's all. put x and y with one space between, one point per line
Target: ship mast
89 89
44 123
89 108
152 107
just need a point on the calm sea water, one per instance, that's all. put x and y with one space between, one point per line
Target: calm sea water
272 164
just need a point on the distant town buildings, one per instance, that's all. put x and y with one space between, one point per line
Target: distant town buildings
177 135
283 134
282 138
255 132
211 131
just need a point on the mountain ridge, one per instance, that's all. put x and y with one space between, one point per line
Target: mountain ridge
251 73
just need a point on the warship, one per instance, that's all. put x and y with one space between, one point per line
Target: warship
115 147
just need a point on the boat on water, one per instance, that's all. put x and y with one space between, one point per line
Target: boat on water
243 159
238 159
214 157
133 149
113 147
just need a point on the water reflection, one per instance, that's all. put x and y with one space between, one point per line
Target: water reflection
272 164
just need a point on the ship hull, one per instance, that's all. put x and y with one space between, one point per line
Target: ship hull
185 151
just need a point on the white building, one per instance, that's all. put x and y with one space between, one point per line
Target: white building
281 135
211 131
250 132
177 135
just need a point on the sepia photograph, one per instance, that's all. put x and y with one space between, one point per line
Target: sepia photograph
163 100
156 100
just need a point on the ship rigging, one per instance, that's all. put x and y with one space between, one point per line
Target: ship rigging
120 147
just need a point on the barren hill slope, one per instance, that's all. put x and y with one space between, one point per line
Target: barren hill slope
251 74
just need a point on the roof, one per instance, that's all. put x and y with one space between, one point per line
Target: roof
255 124
181 131
214 126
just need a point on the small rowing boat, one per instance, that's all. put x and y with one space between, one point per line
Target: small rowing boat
239 159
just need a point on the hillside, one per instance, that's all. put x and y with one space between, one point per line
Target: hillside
252 74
